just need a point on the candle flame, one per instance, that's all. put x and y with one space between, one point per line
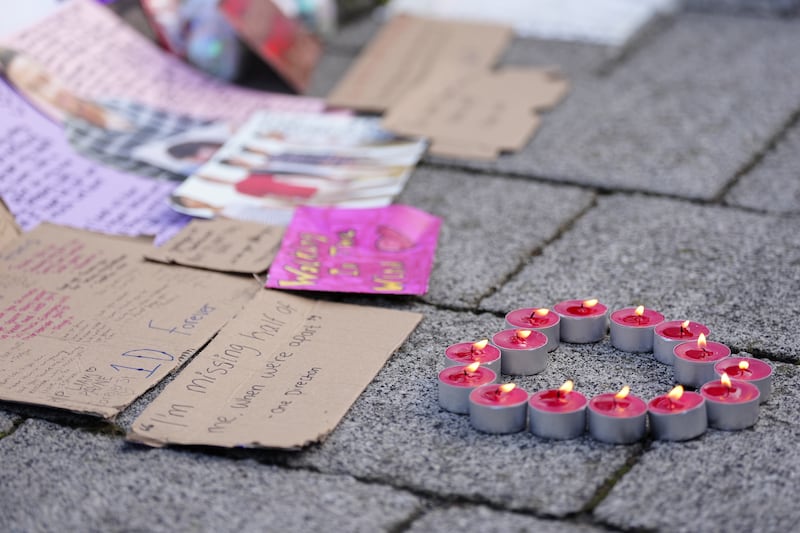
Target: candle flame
589 303
506 387
523 333
472 367
701 342
639 310
623 393
480 345
744 365
542 312
685 324
567 386
676 393
726 380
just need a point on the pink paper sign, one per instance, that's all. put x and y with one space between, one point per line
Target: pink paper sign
386 250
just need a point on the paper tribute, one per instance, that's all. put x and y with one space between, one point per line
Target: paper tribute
282 374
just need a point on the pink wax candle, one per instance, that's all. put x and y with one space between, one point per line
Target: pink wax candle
748 369
667 335
731 404
538 319
617 418
632 328
678 415
456 382
465 353
694 361
524 351
498 408
557 413
582 321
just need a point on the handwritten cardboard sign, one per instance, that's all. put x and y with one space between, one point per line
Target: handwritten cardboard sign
221 244
280 375
479 113
388 250
408 50
87 325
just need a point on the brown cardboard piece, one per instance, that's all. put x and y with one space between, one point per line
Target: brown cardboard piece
477 113
410 49
86 324
280 375
9 231
221 244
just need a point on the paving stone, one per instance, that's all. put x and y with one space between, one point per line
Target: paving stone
742 479
485 520
7 421
355 34
57 478
736 272
329 71
397 433
488 227
774 184
577 60
680 117
776 7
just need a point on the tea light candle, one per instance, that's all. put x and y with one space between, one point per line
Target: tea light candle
748 369
538 319
465 353
524 351
632 329
582 321
498 408
557 413
667 335
456 382
731 404
617 418
694 362
678 415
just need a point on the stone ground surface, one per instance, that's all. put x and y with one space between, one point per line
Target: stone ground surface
668 177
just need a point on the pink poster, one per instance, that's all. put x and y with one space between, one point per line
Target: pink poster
386 250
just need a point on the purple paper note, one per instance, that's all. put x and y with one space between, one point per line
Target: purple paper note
386 250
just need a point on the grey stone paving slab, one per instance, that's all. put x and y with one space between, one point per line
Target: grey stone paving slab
746 479
776 7
488 227
63 479
737 272
396 432
329 70
7 421
353 35
577 60
774 184
680 117
485 520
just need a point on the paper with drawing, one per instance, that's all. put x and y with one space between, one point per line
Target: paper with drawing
280 375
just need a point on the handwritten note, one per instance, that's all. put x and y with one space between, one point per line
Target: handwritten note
222 244
280 375
87 325
388 250
98 55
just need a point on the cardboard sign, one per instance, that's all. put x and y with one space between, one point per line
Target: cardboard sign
387 250
9 231
223 245
87 325
280 375
410 49
477 114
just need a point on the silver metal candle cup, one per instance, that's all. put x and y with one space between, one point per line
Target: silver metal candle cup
764 384
494 365
497 418
456 399
617 430
562 426
524 362
553 333
732 416
583 330
664 348
695 372
683 425
632 339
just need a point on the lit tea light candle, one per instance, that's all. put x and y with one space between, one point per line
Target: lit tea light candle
538 319
678 415
694 361
465 353
748 369
557 413
619 418
731 404
582 321
667 335
524 351
456 382
498 408
632 329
